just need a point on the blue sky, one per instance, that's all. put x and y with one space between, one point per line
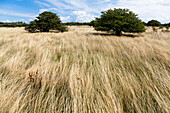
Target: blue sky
81 10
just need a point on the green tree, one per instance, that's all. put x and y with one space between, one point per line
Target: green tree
153 23
119 20
32 27
92 23
44 22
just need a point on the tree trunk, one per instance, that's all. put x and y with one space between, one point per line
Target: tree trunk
44 30
118 33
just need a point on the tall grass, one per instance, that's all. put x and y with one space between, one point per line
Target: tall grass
82 72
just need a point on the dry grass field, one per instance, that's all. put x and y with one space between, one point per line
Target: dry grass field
84 71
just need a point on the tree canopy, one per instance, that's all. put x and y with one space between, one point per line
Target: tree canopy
12 24
153 23
46 21
119 20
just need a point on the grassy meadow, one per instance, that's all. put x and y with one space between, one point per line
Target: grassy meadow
84 71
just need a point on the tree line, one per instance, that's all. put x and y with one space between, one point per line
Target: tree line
156 23
23 24
114 21
13 24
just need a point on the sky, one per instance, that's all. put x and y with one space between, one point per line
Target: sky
81 10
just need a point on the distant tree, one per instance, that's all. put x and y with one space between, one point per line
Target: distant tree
92 23
32 27
44 22
166 24
119 20
13 24
153 23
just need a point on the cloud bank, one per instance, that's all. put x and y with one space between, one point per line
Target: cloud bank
87 10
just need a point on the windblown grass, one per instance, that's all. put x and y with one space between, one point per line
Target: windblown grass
81 72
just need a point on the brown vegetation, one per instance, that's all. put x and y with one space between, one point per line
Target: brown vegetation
82 71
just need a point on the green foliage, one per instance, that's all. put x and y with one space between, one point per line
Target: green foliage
144 23
161 27
153 23
32 27
154 29
92 23
165 30
13 24
44 22
167 24
167 27
119 20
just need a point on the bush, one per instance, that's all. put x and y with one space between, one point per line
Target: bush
167 27
153 23
161 27
44 22
32 27
166 24
154 29
118 20
92 23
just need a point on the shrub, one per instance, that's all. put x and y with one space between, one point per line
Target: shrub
44 22
167 24
32 27
167 27
161 27
119 20
154 29
153 23
92 23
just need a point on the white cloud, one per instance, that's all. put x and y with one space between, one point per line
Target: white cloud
42 3
59 4
30 19
22 20
7 21
48 9
83 16
86 9
16 14
147 9
104 1
64 19
72 5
